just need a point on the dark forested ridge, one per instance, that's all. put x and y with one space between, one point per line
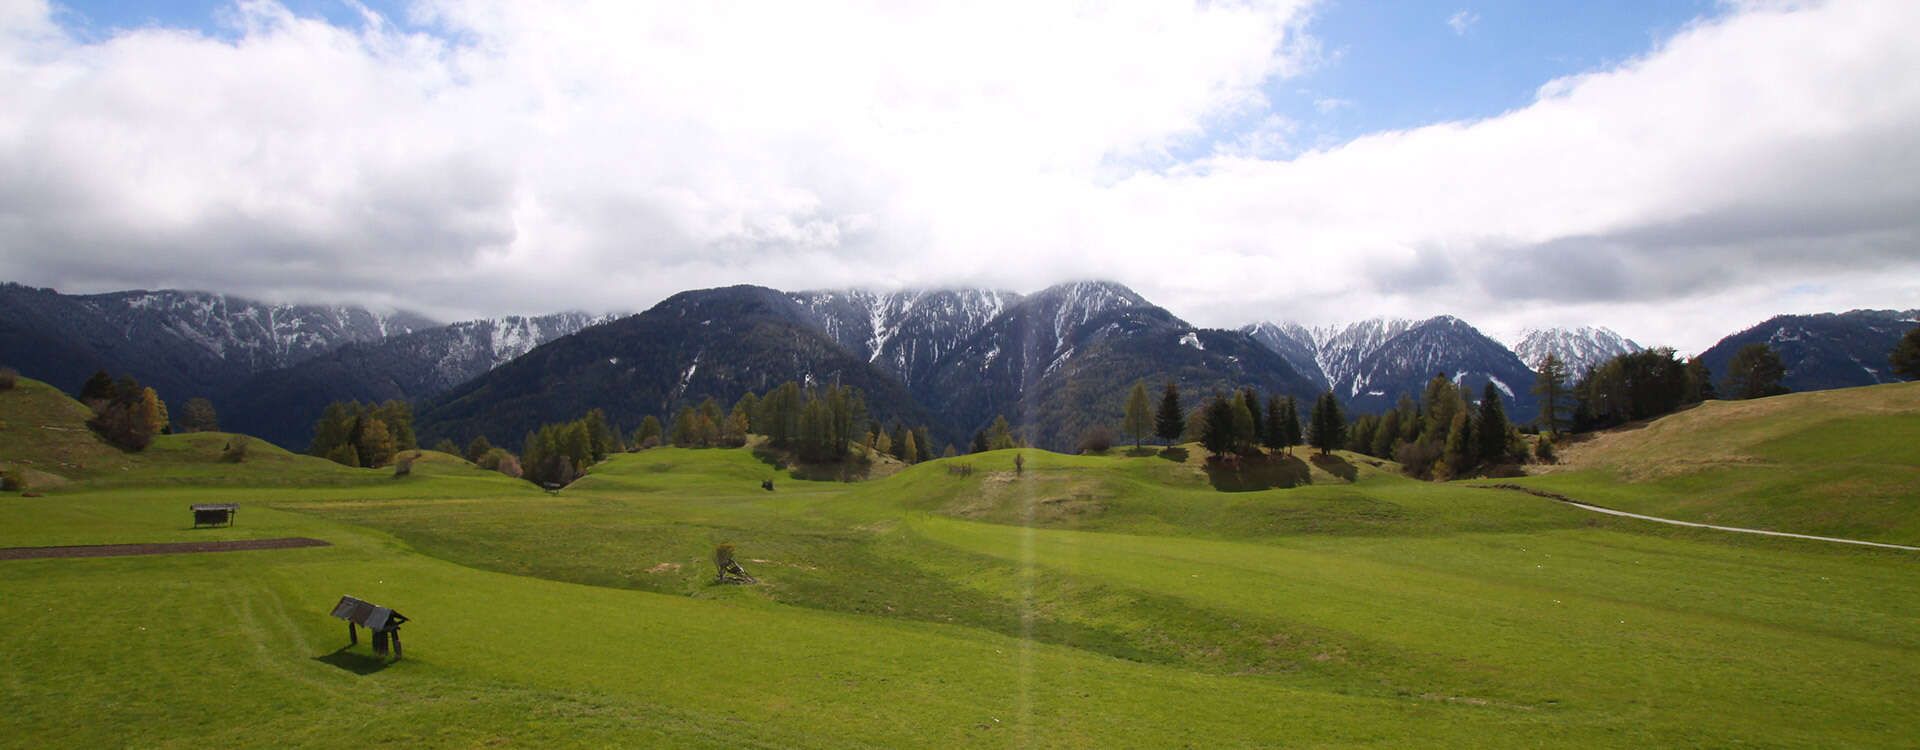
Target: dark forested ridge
714 343
1829 350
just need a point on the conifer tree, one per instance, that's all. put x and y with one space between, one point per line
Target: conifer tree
1385 435
1551 386
684 430
1291 421
1138 422
1170 422
1360 436
1245 437
1699 382
98 389
909 449
1251 398
1327 427
1491 429
1217 434
1276 433
600 437
979 442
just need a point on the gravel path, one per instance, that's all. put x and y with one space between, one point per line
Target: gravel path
160 548
1657 519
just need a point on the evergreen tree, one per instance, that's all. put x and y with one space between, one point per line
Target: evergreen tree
1138 421
1385 435
98 389
1442 401
1217 434
1699 382
1291 421
1905 356
1410 423
1755 372
1170 422
1552 390
1327 427
1251 398
1360 437
1491 429
979 442
600 436
882 443
1276 433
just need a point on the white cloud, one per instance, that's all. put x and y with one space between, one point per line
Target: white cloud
604 155
1462 20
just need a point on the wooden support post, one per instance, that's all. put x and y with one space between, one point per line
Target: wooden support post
396 644
353 636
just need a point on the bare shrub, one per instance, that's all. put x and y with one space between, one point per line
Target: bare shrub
1097 439
236 449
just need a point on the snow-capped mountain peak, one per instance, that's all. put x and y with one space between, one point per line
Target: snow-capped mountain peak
1580 347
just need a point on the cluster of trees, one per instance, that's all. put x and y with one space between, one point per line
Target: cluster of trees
351 433
125 414
1647 384
1442 435
557 454
1243 424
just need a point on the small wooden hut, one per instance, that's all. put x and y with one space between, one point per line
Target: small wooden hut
383 621
214 514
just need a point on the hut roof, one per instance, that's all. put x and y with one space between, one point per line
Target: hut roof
217 506
370 616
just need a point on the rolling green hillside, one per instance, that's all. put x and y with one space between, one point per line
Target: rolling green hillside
1834 463
1085 601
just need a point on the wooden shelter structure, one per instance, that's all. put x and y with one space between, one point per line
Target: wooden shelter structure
383 621
214 514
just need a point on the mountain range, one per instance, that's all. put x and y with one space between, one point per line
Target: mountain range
1054 362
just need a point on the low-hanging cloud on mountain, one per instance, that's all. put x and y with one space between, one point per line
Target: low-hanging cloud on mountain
491 157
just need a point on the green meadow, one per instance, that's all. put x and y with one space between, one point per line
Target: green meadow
1086 601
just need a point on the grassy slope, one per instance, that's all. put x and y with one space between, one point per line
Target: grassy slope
1091 601
1835 463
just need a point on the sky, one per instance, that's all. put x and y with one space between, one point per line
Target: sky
1674 170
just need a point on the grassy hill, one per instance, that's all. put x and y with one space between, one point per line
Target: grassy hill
1833 463
1085 601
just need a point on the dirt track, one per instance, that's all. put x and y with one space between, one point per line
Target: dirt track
161 548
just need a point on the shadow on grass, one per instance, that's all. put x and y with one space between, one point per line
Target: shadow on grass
1140 452
854 469
1336 466
1176 454
360 664
1255 473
